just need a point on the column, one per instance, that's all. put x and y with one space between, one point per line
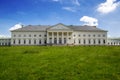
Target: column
67 38
72 37
57 37
52 37
47 37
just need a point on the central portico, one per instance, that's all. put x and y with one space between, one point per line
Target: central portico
59 34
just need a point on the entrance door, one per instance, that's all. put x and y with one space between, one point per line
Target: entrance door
60 41
55 40
64 40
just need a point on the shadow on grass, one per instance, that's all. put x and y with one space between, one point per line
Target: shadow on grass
30 52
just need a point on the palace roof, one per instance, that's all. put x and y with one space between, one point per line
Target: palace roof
33 28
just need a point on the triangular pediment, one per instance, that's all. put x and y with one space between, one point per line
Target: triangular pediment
59 27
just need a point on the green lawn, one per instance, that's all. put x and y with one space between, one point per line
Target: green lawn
60 63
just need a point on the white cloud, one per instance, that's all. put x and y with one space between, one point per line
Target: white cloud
89 21
17 26
108 6
55 0
76 2
69 9
4 36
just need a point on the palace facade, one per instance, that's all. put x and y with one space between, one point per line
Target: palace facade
58 34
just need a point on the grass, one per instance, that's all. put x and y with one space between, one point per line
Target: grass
60 63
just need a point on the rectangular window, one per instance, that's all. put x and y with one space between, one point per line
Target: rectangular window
99 41
103 35
14 35
84 41
45 41
44 35
19 41
40 41
14 41
29 35
29 41
50 40
99 35
24 35
89 41
19 35
89 35
104 41
79 41
24 41
34 35
84 35
34 41
94 41
39 35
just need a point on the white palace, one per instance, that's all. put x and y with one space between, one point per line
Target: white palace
58 34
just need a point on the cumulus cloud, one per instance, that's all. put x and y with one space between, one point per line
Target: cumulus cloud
17 26
69 9
89 21
108 6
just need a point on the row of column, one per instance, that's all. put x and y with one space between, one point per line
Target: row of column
63 38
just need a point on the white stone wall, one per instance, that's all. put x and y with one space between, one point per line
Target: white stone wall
113 41
28 38
90 38
5 41
76 38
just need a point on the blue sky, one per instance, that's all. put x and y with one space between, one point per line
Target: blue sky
105 13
